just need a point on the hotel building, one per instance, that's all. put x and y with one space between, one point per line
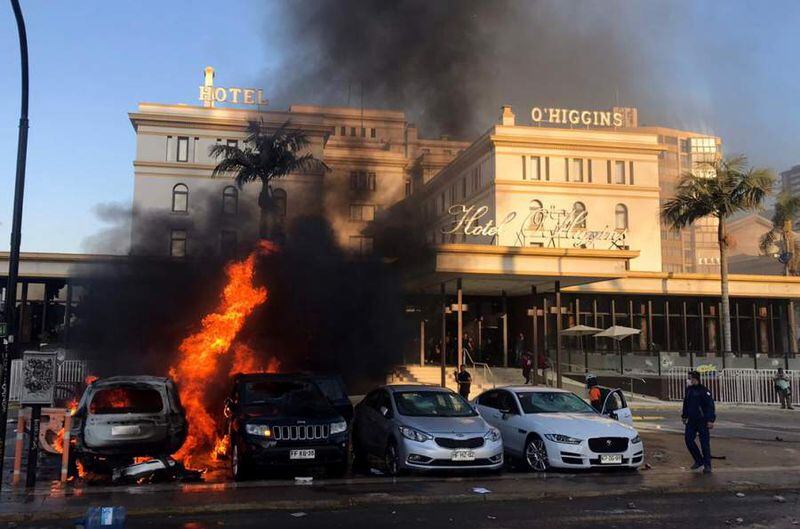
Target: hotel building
535 226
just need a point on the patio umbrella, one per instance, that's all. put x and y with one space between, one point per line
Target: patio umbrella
618 333
580 331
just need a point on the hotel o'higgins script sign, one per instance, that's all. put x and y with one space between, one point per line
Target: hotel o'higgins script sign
539 227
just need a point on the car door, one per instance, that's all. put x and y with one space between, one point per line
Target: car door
616 407
513 430
383 423
486 403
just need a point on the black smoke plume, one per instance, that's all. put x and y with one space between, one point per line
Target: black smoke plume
326 312
450 64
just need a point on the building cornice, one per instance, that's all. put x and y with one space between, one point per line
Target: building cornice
532 251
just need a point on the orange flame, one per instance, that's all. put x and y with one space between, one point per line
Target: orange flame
200 355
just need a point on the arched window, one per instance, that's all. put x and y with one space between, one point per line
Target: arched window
180 198
579 209
279 198
621 217
230 200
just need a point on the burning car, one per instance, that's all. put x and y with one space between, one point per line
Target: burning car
123 417
283 420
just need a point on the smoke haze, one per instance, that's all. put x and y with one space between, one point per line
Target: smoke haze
450 64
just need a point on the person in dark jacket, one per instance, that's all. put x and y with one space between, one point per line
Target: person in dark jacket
698 415
464 380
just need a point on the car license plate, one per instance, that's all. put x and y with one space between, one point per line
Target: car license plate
302 454
463 455
610 459
128 429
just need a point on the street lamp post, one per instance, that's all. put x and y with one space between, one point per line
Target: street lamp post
16 235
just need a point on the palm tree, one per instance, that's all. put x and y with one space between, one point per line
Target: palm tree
734 187
265 156
787 211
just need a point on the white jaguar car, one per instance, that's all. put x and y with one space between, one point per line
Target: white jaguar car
547 427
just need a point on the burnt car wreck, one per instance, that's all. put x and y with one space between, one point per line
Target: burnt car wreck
126 427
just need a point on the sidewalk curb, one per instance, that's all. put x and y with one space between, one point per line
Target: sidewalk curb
389 499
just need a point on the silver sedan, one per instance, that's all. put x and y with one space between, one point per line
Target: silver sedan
423 428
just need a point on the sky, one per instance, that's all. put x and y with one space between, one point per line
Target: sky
727 68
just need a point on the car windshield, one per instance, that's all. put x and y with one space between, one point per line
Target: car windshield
126 400
552 402
285 397
432 404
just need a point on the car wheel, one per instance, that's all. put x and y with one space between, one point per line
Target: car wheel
239 466
536 454
392 459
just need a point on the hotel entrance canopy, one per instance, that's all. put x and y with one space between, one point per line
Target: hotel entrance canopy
489 270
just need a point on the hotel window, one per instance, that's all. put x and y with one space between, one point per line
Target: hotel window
362 212
608 171
619 172
579 209
361 245
575 170
233 144
589 169
227 243
621 217
177 243
183 149
547 168
630 173
279 200
535 167
373 133
342 131
363 132
362 180
180 198
408 187
352 131
230 201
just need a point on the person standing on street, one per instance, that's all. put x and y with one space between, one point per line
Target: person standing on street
784 389
464 380
698 415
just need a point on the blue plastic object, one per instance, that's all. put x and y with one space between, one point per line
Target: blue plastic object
105 518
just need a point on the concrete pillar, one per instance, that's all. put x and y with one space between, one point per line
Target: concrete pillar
558 334
460 325
422 341
444 337
792 321
534 337
505 330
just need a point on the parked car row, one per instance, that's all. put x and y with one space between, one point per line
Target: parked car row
287 420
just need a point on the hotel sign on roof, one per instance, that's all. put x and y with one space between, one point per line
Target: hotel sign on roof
570 116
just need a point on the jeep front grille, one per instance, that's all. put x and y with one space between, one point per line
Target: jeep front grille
301 432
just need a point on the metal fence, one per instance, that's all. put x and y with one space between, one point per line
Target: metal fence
742 386
69 377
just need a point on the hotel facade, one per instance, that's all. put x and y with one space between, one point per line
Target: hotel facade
554 213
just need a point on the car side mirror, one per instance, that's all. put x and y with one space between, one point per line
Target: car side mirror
505 413
384 411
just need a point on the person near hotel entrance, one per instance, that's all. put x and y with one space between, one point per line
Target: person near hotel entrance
464 380
595 393
527 366
519 348
698 415
784 389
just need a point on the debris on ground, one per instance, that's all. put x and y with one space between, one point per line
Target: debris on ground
740 494
303 480
740 520
778 498
156 470
480 490
647 466
778 438
490 517
631 505
298 514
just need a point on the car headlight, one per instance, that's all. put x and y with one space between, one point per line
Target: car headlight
338 427
492 435
636 440
563 439
414 434
261 430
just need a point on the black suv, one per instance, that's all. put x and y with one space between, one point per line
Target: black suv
283 420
